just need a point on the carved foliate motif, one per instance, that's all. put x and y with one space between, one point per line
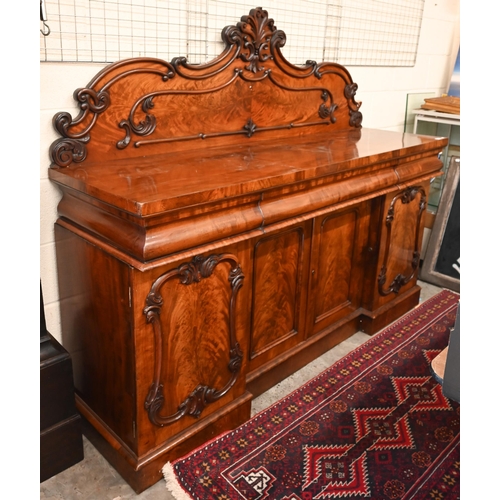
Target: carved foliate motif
350 90
250 127
202 395
355 116
325 110
355 119
143 128
67 151
256 31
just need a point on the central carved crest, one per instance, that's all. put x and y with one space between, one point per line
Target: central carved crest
256 30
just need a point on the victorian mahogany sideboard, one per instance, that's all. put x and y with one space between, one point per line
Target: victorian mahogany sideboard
220 226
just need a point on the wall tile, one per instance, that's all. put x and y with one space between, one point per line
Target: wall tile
439 73
446 10
58 81
387 110
53 319
411 78
49 199
48 273
370 78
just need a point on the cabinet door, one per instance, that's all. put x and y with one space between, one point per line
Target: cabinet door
280 268
190 332
337 265
400 242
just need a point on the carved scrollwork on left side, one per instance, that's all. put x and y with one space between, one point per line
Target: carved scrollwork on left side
400 280
92 102
66 151
202 395
72 146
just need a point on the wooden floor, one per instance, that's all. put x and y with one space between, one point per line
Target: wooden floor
93 478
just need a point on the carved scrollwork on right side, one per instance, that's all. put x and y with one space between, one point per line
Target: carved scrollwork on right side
400 280
202 395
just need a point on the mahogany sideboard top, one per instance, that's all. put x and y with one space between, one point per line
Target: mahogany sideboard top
239 187
150 185
243 200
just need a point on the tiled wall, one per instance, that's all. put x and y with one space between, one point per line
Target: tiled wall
382 91
349 32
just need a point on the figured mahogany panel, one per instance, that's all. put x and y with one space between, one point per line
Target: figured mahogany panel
280 265
401 240
335 263
197 357
336 270
192 345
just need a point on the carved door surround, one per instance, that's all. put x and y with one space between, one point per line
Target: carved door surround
413 195
202 395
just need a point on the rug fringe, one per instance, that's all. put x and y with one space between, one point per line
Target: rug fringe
172 484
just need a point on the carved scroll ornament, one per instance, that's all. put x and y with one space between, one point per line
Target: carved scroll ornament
400 280
201 396
92 103
254 40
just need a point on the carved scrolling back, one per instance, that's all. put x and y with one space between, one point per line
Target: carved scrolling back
144 106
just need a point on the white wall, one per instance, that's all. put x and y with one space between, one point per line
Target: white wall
382 91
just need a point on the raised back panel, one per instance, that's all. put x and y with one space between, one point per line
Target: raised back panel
146 106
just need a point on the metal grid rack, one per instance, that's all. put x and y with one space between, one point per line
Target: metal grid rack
350 32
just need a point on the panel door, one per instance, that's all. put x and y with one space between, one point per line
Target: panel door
402 230
191 335
280 269
338 265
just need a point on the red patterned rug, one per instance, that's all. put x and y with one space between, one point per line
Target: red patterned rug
374 425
